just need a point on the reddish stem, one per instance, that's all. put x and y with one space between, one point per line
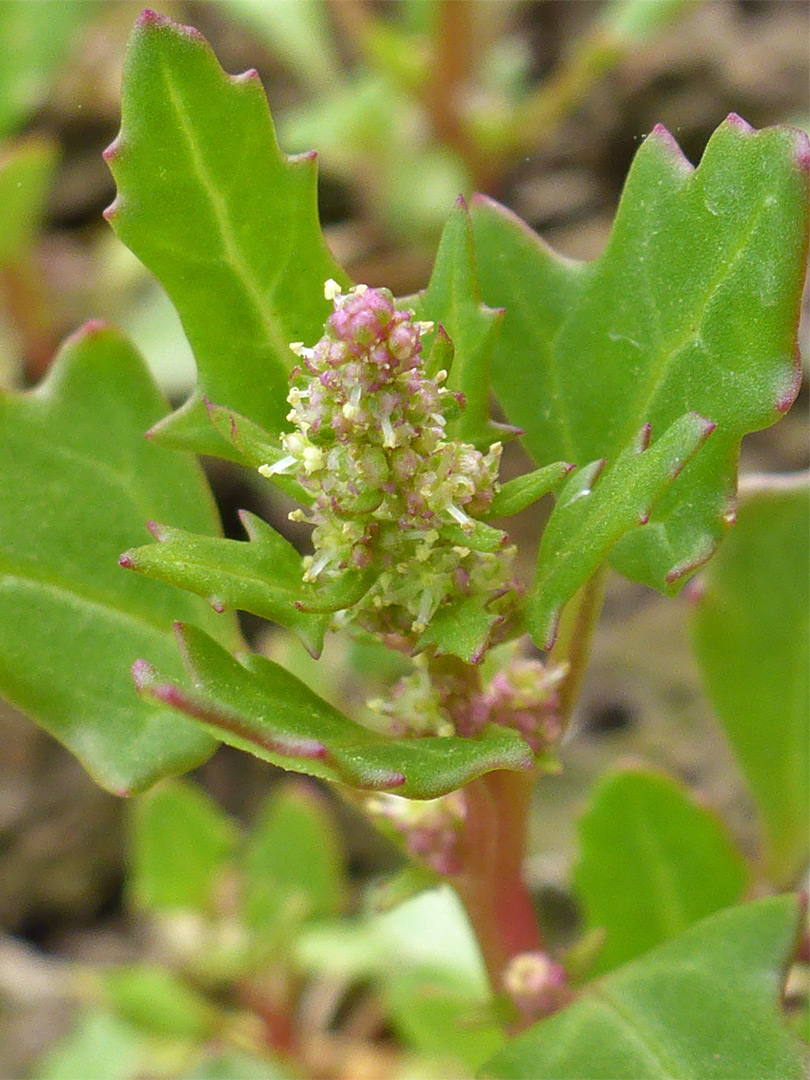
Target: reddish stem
491 886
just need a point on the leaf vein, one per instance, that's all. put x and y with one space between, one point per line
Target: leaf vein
235 258
658 370
670 1068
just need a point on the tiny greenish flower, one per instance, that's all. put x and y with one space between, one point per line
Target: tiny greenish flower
369 444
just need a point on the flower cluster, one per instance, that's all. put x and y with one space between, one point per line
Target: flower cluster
537 984
416 706
431 828
521 696
389 490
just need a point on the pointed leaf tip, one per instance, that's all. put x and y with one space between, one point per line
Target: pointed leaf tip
785 401
160 532
700 556
93 328
143 674
153 20
148 17
643 437
393 780
802 154
735 120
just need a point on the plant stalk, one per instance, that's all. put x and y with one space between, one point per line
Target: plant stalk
491 885
492 850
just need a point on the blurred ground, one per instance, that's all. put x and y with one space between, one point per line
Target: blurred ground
61 837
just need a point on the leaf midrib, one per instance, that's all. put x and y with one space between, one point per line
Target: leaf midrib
175 555
657 371
257 297
670 1068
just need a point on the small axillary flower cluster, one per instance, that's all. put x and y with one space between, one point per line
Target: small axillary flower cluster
369 446
523 696
430 828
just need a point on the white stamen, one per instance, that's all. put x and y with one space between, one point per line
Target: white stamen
437 418
464 520
331 289
359 290
441 376
424 612
424 327
318 564
389 438
279 468
300 350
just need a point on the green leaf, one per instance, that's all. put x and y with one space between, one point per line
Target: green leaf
100 1047
750 634
260 707
428 930
692 306
40 37
479 536
461 628
263 576
590 516
337 595
180 841
293 861
432 930
436 1013
452 301
704 1005
652 862
26 174
226 222
158 1001
515 495
77 482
